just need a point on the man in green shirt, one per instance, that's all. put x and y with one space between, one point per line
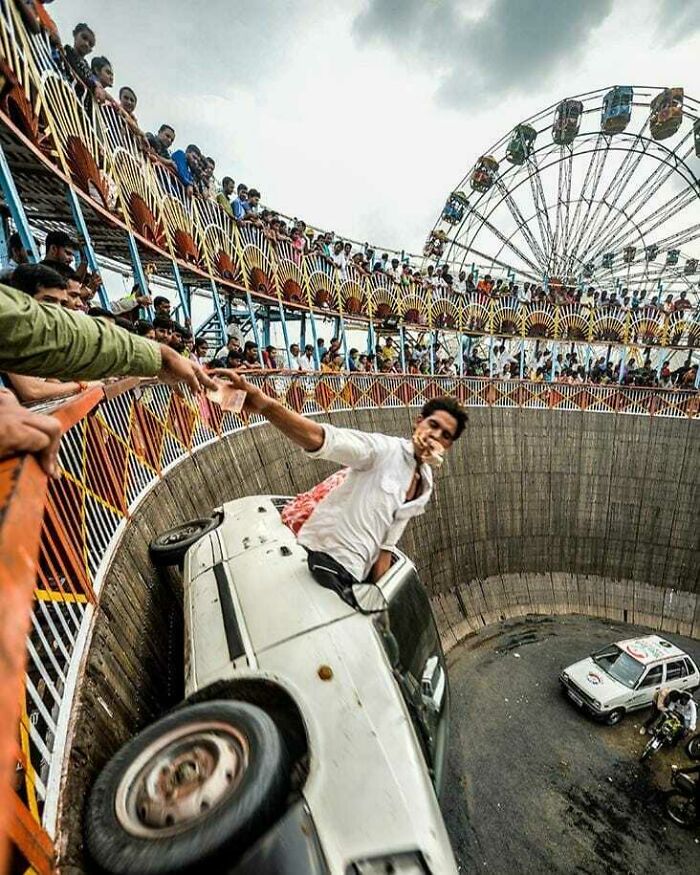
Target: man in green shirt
43 340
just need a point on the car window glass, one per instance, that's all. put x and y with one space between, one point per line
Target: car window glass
653 677
411 621
675 670
689 667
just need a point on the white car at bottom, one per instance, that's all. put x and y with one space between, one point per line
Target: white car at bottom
626 675
312 738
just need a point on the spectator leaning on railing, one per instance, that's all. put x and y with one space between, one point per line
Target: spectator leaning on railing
44 340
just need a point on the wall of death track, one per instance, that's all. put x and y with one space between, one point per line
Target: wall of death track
536 511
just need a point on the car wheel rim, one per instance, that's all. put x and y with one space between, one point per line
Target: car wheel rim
180 534
177 780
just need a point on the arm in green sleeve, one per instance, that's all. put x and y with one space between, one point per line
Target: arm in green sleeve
44 340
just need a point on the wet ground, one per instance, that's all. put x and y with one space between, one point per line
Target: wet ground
534 786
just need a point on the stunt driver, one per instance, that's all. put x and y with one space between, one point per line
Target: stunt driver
348 522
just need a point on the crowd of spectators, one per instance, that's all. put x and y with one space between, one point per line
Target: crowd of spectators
94 77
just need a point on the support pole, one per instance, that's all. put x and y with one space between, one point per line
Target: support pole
90 255
314 335
181 291
219 313
302 333
371 342
522 357
623 363
285 334
253 323
344 339
14 204
139 273
402 341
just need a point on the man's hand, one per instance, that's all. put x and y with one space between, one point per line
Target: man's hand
176 369
255 400
22 431
143 300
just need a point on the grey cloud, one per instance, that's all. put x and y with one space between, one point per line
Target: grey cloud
509 47
677 21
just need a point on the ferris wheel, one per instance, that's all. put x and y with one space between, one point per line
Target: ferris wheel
599 190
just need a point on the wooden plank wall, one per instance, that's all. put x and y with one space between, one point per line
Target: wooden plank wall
535 512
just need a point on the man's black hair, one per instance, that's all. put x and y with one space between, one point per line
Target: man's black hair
60 239
195 149
176 328
242 187
163 322
234 355
127 88
210 160
143 327
201 340
122 322
80 27
226 179
99 62
160 299
30 278
65 270
166 127
450 405
15 242
249 344
253 192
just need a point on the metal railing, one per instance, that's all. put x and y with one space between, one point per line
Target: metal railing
118 443
104 157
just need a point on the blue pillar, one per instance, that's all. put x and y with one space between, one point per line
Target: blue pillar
522 357
19 217
623 363
219 312
302 333
285 334
431 341
90 255
139 273
554 361
266 329
697 376
253 321
181 291
371 342
491 357
402 341
346 357
314 335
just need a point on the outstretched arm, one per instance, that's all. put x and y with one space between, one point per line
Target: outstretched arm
304 432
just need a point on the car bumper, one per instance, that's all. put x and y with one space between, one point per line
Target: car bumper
580 699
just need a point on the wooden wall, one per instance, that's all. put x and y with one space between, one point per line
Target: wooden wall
535 512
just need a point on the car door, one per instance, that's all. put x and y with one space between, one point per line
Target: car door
647 686
420 669
677 674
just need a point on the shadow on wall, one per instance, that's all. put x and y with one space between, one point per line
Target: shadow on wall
535 512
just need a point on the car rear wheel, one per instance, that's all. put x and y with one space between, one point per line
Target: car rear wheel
169 547
202 783
612 718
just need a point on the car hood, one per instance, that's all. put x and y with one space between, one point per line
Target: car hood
591 678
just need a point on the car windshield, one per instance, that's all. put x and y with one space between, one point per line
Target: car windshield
619 665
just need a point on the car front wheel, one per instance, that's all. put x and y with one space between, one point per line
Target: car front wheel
169 547
612 718
199 785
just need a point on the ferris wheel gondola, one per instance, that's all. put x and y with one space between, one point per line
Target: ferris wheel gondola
598 187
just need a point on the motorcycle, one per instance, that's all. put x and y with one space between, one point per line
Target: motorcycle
681 803
692 748
667 731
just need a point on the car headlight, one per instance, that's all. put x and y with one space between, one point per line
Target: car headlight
410 863
564 676
596 704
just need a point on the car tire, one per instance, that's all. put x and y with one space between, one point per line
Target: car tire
199 785
612 718
692 747
169 547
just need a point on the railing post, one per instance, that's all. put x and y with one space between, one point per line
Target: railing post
181 291
139 272
90 255
14 204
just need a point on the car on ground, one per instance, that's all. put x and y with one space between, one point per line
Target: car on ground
626 675
312 737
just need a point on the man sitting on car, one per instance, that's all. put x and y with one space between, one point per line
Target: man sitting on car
388 480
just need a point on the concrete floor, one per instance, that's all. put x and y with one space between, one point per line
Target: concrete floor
534 786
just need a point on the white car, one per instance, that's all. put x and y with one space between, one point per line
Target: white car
312 738
625 676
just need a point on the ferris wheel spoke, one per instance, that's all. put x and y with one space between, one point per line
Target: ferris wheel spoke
645 226
485 223
594 174
522 226
518 271
643 194
565 202
540 203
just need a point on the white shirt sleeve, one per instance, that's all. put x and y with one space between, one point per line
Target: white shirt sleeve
123 305
396 530
693 715
355 449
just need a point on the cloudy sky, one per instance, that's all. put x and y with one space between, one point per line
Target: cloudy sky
361 115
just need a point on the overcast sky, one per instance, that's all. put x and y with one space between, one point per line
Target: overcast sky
361 115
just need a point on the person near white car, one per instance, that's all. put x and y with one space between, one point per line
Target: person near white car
388 481
684 705
660 703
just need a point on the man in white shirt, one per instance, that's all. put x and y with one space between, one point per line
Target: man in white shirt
389 481
307 362
338 258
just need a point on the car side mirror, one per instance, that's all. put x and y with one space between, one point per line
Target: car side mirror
433 684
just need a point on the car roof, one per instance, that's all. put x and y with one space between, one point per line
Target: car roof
278 597
650 649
